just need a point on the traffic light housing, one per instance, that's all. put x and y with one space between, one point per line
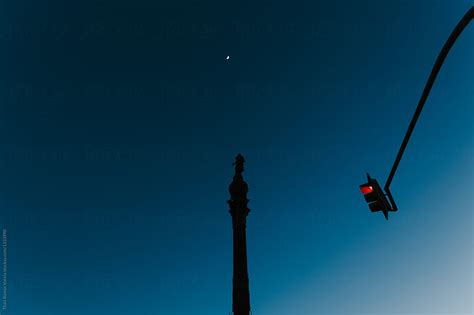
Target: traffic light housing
375 197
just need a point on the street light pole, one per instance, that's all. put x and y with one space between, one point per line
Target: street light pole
429 84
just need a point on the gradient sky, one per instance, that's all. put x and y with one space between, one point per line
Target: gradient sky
120 121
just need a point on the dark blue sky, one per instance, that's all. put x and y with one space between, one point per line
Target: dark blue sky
120 120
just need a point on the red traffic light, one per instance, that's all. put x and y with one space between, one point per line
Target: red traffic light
375 197
366 189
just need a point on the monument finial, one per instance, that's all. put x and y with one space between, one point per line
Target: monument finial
239 164
238 188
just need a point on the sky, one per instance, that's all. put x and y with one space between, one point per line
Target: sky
120 121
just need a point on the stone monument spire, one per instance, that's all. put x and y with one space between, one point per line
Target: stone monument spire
238 209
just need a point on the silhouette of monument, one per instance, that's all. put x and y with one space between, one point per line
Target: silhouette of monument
238 209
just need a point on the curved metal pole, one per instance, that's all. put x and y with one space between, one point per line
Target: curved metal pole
429 84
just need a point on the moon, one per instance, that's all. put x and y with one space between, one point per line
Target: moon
227 58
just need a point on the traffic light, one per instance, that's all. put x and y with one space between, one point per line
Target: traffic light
375 197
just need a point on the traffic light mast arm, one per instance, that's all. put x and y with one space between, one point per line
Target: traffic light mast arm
429 84
392 202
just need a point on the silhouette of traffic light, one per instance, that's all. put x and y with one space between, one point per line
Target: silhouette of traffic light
375 197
